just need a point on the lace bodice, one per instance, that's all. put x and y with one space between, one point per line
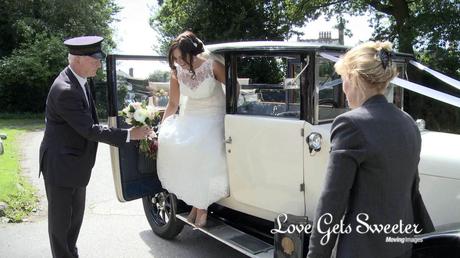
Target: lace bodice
203 72
203 92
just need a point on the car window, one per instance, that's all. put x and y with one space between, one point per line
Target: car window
142 81
267 87
331 99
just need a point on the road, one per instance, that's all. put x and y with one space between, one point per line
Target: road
110 228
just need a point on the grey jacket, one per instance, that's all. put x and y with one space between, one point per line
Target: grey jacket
68 149
375 151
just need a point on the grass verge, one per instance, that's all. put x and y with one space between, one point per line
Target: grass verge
15 190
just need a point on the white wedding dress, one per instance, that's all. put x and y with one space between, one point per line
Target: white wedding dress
191 159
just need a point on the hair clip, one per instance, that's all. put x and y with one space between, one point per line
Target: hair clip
385 57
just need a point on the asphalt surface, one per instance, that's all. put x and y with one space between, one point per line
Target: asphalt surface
110 228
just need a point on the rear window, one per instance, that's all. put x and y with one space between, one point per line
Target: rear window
266 86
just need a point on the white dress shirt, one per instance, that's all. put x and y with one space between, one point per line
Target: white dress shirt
82 82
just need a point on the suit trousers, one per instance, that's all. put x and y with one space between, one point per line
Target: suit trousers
66 207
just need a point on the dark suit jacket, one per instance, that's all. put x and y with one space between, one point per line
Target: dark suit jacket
375 151
68 149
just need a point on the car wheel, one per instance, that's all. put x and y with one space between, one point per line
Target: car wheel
160 211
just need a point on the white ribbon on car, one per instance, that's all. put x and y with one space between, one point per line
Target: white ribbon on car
441 96
291 83
330 57
451 81
434 94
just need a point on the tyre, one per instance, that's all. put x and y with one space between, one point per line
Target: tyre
160 211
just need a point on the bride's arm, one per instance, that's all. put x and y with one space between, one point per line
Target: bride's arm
174 95
219 73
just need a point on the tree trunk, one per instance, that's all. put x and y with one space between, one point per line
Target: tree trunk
402 17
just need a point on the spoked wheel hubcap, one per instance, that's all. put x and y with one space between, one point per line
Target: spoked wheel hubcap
162 208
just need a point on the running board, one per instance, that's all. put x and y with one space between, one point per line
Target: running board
237 239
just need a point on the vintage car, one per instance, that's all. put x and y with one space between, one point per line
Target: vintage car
281 99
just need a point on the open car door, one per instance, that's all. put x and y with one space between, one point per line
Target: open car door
134 79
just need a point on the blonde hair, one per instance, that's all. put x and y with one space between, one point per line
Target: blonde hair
365 69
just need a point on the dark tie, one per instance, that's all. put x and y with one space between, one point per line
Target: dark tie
91 103
88 95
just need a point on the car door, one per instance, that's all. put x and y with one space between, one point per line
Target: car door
132 79
264 140
331 102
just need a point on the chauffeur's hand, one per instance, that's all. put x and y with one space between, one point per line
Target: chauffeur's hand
139 133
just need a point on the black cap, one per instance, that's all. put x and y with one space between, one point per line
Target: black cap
86 46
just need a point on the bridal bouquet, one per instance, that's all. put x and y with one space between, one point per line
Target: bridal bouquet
139 114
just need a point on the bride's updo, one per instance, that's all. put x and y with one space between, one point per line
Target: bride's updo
189 45
368 66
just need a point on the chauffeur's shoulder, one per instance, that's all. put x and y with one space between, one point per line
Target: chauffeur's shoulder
61 84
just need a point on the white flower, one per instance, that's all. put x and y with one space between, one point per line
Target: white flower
140 115
151 110
129 120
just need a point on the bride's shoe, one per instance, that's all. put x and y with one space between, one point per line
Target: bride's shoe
192 215
201 219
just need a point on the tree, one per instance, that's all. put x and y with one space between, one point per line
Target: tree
428 29
31 47
159 76
26 73
223 21
219 21
21 20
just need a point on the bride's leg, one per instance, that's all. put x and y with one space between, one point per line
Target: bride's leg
201 217
192 215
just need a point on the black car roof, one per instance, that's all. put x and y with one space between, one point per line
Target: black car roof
277 46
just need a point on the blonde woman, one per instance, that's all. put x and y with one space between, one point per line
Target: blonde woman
372 177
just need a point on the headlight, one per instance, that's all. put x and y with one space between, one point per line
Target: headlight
314 142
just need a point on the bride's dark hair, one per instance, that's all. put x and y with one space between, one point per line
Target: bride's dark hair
189 46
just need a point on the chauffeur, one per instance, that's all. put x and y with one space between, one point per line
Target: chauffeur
68 149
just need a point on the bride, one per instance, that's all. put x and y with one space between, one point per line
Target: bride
191 155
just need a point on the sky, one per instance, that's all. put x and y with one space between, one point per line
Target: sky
134 35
